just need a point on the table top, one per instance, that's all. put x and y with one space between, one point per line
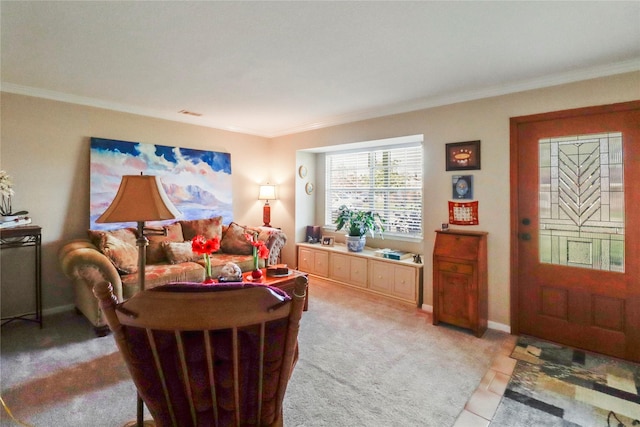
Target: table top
273 281
23 230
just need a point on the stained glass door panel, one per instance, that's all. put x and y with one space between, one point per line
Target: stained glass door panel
581 201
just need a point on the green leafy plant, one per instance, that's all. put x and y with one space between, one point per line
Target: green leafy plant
357 223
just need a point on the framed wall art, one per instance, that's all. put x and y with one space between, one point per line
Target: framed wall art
198 182
462 187
463 155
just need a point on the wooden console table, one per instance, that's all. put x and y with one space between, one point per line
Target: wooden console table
17 237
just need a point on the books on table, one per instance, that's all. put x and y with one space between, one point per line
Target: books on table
393 254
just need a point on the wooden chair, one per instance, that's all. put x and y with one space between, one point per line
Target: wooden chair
218 355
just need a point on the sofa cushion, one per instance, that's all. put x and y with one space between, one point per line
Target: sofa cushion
155 252
119 246
234 242
178 252
209 228
161 274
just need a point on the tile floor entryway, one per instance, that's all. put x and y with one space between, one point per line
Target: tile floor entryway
482 405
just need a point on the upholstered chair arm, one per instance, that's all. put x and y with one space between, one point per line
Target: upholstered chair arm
86 266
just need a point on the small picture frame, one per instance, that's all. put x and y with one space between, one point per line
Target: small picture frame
462 187
463 155
327 240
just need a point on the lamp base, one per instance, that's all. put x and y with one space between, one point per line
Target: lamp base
266 215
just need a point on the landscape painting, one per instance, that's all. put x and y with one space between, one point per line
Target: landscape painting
198 182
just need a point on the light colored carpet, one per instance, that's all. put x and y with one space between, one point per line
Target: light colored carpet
363 361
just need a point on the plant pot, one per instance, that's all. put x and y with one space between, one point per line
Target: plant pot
356 243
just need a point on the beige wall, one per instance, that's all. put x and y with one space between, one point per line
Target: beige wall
45 147
486 120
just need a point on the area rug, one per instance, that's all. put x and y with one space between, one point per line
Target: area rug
553 385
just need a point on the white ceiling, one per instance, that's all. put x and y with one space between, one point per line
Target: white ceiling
273 68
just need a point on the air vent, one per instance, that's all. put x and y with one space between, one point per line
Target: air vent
189 113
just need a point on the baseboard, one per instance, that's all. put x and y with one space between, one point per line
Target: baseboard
490 324
499 326
427 308
58 309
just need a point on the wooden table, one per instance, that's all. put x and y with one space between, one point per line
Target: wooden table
286 283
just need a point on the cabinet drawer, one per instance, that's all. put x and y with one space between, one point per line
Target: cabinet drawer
404 282
457 246
455 267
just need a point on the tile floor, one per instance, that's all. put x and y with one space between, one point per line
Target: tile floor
482 405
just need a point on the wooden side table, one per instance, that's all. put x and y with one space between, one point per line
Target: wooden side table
18 237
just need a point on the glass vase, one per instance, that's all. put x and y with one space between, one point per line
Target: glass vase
207 265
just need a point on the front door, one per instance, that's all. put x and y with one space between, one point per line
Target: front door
576 228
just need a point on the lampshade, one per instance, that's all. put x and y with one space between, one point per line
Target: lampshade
267 192
140 198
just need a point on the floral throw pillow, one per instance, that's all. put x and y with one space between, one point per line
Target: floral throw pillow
155 252
234 243
178 252
119 246
209 228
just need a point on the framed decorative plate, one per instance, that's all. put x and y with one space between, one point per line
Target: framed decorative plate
308 188
302 171
462 187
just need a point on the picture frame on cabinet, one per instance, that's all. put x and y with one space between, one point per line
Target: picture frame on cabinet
462 155
327 240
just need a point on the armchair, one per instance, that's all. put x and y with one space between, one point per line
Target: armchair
218 355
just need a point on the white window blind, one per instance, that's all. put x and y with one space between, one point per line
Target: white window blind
386 180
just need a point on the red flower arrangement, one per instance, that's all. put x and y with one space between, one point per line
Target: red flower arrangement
204 247
260 250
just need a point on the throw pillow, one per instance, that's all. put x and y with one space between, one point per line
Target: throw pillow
178 252
119 246
209 228
155 252
233 242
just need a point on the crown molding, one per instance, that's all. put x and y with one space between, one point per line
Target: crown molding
398 108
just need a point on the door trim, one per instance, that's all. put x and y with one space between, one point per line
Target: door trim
514 122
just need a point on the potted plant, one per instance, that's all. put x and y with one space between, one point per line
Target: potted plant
358 223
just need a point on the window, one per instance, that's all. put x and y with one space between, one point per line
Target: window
386 180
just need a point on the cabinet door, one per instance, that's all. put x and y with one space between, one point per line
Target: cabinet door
340 267
381 278
321 263
454 305
358 272
305 260
404 282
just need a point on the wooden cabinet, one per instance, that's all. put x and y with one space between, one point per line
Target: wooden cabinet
345 268
400 280
460 279
314 262
397 280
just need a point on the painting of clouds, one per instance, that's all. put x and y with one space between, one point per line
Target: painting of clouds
197 182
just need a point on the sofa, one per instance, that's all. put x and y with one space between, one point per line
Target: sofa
112 256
